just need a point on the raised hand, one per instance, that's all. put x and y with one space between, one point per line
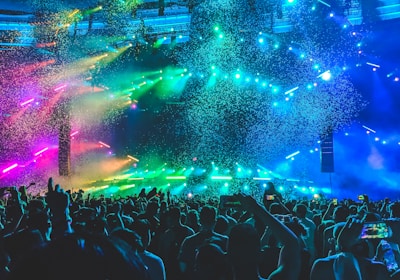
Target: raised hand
350 234
57 200
247 202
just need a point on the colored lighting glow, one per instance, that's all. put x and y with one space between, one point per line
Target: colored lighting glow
237 76
326 76
136 179
104 144
372 64
262 178
60 87
221 177
291 90
324 3
175 177
292 180
73 13
10 168
369 129
74 133
133 158
41 151
27 102
292 155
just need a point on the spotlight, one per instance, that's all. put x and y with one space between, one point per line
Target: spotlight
326 76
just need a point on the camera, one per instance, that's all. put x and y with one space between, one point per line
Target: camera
269 197
228 201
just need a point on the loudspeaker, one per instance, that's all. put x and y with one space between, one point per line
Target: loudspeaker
64 140
327 158
64 150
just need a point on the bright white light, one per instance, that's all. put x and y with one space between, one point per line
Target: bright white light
326 76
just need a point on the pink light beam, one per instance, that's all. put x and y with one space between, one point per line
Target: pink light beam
74 133
104 144
27 102
41 151
10 168
60 87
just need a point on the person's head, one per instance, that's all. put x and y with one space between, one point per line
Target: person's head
270 186
301 210
174 216
132 238
192 217
244 246
142 227
340 214
353 210
152 207
163 206
394 210
208 215
276 208
222 225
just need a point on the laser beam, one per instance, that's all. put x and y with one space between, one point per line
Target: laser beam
292 155
10 168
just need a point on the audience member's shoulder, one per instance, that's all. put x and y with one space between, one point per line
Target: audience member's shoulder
188 230
221 235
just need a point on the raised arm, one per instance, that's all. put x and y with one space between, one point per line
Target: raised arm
289 258
58 201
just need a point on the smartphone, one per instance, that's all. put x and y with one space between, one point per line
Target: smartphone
361 197
376 230
228 201
334 201
269 197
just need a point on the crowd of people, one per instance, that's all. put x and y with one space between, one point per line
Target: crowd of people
158 236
